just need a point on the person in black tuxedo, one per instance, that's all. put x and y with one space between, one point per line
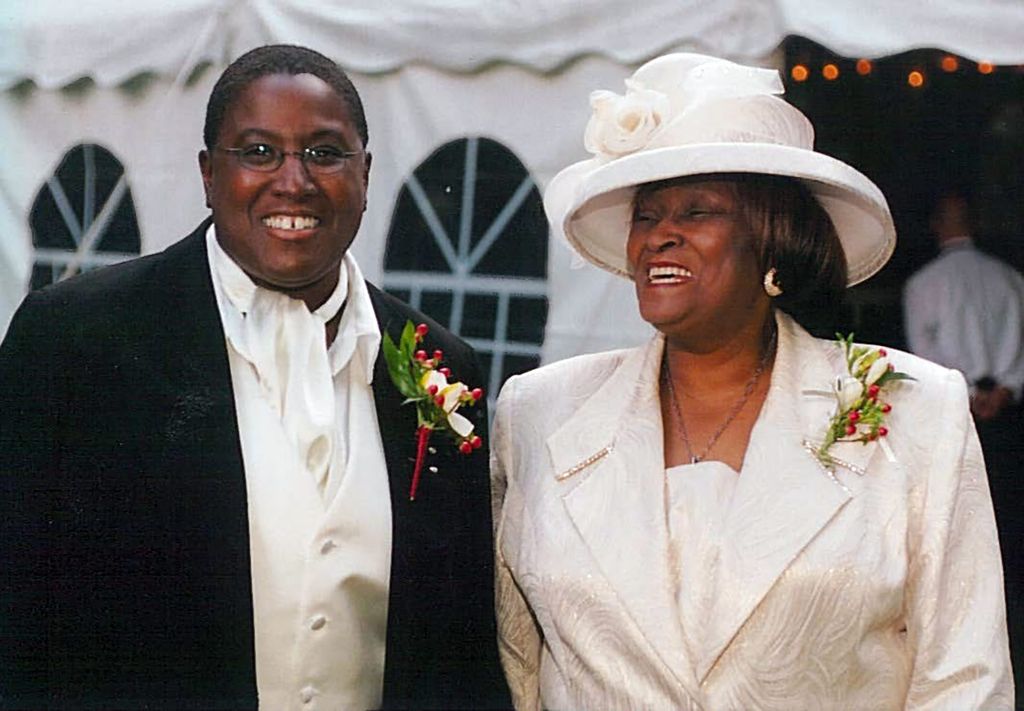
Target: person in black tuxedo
205 468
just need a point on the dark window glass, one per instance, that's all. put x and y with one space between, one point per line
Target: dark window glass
84 217
479 316
468 246
526 319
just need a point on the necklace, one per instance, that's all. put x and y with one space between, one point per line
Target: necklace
747 392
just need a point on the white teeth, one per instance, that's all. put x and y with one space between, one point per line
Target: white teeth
668 274
291 222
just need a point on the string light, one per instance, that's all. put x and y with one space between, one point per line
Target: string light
915 78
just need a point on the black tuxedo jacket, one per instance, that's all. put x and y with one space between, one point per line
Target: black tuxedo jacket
124 551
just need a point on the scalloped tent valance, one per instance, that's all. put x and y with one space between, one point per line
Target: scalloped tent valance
53 43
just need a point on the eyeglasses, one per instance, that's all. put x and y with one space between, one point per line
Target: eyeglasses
265 158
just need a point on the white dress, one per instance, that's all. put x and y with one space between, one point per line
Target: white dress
697 503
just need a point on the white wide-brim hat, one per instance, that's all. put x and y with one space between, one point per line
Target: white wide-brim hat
689 114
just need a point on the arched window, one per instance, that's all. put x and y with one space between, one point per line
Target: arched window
468 246
83 217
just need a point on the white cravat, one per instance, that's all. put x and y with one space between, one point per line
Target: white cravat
285 343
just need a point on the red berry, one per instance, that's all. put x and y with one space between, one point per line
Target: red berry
850 429
886 407
891 367
438 355
873 391
465 448
439 400
420 355
477 393
476 442
421 330
882 431
446 372
432 389
854 415
881 352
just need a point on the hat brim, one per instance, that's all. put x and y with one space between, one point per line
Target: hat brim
592 202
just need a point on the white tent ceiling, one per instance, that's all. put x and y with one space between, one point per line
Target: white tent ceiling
430 71
55 42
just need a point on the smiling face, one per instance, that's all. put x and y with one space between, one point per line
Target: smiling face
287 229
694 261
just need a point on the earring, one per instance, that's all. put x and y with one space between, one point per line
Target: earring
770 287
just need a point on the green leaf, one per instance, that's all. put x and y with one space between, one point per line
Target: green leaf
400 368
891 375
408 340
847 343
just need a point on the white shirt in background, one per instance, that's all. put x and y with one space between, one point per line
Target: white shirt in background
965 310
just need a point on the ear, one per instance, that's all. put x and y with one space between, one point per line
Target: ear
366 177
206 170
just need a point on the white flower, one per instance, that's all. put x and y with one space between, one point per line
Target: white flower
876 370
848 391
624 124
461 426
432 377
857 367
452 394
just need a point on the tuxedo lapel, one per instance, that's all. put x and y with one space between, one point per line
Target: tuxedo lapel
189 355
784 497
609 462
441 649
397 423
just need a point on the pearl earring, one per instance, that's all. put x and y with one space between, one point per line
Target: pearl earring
770 287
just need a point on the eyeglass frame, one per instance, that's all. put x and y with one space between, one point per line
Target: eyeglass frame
304 157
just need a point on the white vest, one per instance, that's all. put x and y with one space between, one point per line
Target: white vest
321 554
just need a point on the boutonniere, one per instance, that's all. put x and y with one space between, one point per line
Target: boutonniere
861 409
424 382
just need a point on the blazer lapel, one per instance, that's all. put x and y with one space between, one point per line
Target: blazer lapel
609 461
189 351
784 496
397 424
200 452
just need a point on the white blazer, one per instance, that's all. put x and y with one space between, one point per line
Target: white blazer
878 587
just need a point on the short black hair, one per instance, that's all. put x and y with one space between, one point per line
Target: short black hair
278 59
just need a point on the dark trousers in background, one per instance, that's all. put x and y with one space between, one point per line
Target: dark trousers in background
1002 440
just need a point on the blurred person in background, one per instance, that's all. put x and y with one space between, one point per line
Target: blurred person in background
965 310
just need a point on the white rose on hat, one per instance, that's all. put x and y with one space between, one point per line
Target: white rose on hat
623 124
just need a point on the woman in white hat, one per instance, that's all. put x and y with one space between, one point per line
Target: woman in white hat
738 515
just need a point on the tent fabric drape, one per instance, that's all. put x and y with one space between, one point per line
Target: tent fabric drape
52 43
